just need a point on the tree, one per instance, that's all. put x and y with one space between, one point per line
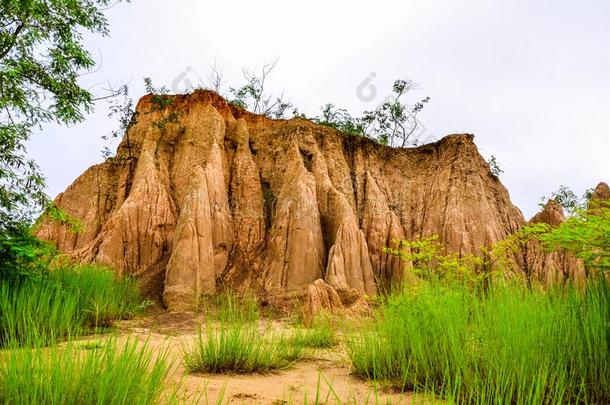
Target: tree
41 58
494 166
393 123
252 95
339 119
586 234
569 201
122 110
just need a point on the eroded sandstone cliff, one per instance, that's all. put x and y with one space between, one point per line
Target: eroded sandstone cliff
220 197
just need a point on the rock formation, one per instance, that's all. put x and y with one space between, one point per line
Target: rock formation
552 214
549 267
202 194
321 297
600 195
559 266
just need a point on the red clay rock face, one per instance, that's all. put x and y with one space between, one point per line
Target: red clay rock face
223 197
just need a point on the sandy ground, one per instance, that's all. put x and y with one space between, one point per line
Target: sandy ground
325 375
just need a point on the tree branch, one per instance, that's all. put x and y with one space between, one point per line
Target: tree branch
11 42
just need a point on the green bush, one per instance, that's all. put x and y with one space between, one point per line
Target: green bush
64 303
430 262
22 255
111 374
513 345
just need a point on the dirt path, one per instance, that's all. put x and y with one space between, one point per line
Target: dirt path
325 375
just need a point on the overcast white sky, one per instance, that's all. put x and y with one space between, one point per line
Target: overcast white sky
529 78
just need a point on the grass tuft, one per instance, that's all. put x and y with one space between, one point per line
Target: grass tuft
240 348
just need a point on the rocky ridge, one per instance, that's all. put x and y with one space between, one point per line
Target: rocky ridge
221 197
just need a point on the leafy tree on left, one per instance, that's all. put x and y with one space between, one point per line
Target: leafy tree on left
41 58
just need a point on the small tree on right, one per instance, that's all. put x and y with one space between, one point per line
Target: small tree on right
568 199
586 234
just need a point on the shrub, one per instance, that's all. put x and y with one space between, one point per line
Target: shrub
69 375
429 263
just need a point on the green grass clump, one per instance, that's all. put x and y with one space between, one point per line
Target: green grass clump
513 345
320 335
112 374
102 296
240 348
64 303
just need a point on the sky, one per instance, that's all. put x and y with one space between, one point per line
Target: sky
530 79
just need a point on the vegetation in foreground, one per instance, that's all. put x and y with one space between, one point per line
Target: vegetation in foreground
459 335
64 303
110 374
239 342
471 333
510 345
42 307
